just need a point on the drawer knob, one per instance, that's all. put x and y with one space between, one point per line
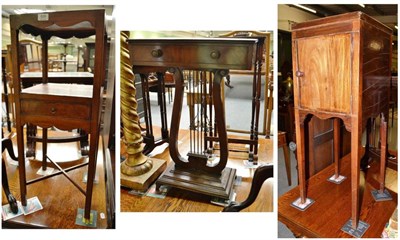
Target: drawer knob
53 110
215 54
299 74
156 53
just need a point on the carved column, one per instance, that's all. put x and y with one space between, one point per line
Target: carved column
137 170
136 163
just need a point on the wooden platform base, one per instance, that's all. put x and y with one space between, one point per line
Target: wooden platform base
143 182
209 184
332 207
178 200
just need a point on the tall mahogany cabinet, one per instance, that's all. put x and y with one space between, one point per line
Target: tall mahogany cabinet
341 70
65 106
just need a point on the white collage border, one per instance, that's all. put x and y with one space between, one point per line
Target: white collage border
166 15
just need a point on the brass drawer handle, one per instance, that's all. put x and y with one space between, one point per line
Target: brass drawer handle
156 53
215 54
299 74
53 110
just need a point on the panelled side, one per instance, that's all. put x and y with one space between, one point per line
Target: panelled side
376 72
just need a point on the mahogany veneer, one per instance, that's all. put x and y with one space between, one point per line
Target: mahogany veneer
342 70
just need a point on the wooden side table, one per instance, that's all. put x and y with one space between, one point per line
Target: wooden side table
342 70
195 173
65 106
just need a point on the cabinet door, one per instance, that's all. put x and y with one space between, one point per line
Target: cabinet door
324 72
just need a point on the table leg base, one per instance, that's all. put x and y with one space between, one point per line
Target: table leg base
302 206
359 232
379 197
337 180
48 171
80 220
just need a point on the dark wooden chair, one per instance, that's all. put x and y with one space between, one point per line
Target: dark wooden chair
261 174
7 144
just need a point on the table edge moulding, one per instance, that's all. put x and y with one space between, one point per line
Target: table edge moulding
60 108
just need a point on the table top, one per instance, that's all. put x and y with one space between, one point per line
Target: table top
340 18
57 89
332 207
57 75
63 24
193 40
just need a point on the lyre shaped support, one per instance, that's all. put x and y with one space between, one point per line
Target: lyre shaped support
199 161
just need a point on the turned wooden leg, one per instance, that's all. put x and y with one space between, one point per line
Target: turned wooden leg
191 117
269 117
163 111
355 172
383 138
336 143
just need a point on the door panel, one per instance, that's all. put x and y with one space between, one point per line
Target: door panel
325 65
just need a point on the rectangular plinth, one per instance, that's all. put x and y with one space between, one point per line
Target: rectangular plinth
142 182
215 185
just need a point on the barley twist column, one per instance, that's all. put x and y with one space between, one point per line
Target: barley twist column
136 163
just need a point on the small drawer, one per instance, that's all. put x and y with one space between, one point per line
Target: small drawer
193 53
55 109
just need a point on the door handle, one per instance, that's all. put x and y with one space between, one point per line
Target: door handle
299 74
